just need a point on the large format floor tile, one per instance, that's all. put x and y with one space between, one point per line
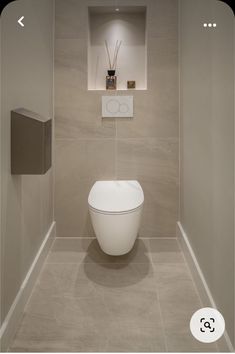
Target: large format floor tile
165 251
87 250
135 339
86 301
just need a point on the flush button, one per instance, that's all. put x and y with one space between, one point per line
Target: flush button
112 106
117 106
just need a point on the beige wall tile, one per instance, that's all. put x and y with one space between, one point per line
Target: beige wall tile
77 111
71 19
160 210
163 70
71 54
84 121
78 165
70 71
163 52
154 163
155 115
152 160
12 240
162 18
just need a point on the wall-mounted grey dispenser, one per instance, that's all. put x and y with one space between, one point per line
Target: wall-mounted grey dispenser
31 139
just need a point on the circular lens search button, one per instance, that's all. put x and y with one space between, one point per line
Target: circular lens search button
207 325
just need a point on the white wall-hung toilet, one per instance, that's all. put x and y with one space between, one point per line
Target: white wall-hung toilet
115 209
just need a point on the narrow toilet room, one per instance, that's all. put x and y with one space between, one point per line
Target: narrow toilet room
117 176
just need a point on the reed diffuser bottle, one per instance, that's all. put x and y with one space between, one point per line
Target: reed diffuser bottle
111 78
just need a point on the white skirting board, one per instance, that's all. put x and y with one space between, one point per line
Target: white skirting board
224 344
12 320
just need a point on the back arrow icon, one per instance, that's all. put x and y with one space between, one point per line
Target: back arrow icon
20 21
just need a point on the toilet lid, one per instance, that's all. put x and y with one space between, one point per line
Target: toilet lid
116 196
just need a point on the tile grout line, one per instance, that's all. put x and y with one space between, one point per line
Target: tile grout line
163 323
112 263
114 136
116 151
158 302
94 238
186 263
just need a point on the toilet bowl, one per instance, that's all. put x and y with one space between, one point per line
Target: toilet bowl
115 208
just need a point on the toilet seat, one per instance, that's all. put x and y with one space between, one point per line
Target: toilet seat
116 197
115 212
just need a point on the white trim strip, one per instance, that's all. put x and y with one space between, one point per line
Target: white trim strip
13 317
202 287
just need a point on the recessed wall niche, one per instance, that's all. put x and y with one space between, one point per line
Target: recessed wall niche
127 24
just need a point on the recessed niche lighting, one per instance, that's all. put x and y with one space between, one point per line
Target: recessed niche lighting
209 24
117 9
214 25
205 24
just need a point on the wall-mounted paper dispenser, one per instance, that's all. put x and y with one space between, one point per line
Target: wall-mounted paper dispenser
31 140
